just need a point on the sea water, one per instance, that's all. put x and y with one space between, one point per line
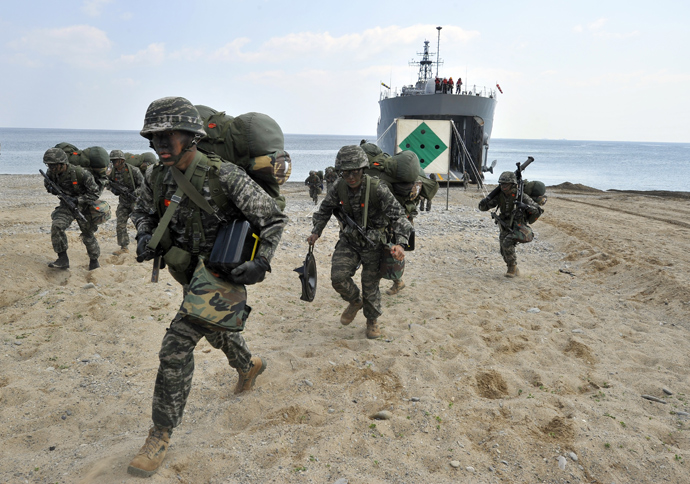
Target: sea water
598 164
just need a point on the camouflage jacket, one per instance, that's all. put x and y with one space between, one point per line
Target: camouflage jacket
247 201
130 177
313 181
76 182
331 176
505 207
387 216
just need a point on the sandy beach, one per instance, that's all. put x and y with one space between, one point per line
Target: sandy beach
484 379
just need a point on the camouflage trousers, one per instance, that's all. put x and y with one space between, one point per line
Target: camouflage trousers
508 242
314 192
62 219
124 209
345 262
174 378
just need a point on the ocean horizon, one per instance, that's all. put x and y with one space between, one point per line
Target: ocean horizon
605 165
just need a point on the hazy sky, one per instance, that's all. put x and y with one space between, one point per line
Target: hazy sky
588 70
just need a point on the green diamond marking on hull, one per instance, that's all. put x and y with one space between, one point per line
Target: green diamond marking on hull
425 144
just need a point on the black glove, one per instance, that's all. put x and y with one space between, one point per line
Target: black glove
115 191
52 190
251 272
523 206
143 251
484 204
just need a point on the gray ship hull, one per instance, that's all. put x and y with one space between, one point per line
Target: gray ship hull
472 115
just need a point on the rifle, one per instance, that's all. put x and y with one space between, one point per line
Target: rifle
518 174
343 217
64 198
123 190
519 205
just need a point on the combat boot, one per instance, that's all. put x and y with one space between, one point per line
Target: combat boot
121 250
350 312
512 271
62 261
373 330
93 264
428 205
246 381
421 205
151 455
396 287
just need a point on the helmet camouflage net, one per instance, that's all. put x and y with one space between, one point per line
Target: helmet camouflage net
507 177
351 157
55 156
172 114
117 155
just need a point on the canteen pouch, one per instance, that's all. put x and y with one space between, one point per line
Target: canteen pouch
523 233
214 303
389 268
99 212
235 244
178 262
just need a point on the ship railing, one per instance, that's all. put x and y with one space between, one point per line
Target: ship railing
479 91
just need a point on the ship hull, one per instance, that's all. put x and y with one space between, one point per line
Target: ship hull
472 116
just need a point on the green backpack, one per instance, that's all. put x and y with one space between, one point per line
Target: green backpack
253 141
94 159
141 161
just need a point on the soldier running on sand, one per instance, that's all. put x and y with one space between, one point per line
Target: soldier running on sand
78 185
353 249
174 126
125 179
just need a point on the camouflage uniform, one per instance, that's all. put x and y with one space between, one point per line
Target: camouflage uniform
352 249
247 201
131 178
330 177
75 182
315 184
506 236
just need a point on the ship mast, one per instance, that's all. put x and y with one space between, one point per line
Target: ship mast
425 65
438 48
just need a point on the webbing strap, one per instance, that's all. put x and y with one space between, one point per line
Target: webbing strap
174 202
366 202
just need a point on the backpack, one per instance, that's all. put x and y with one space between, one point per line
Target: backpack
536 191
253 141
141 161
94 159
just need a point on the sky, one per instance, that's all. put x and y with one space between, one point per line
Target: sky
588 70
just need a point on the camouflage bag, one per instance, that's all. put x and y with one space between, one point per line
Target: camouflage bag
523 233
94 159
253 141
389 268
99 212
214 303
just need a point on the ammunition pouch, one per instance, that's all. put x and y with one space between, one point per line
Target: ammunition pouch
523 233
214 303
179 262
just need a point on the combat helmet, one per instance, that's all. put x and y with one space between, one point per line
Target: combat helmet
172 113
117 155
351 157
507 177
55 156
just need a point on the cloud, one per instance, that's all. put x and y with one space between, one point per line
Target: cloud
78 44
94 8
597 24
152 54
596 28
359 46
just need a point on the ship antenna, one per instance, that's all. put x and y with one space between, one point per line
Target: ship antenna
438 48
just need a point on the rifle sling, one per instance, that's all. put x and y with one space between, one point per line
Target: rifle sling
174 202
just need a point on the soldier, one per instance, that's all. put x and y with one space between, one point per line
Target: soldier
513 219
187 233
124 180
315 185
331 176
78 184
374 216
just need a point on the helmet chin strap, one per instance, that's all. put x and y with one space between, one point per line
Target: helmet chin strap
176 158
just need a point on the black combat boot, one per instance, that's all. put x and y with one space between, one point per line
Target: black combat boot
62 261
93 264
